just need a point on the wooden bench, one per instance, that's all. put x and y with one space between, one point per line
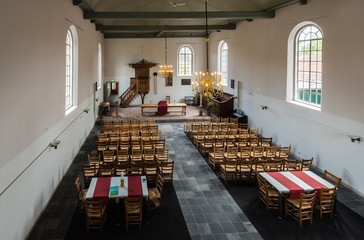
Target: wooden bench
172 107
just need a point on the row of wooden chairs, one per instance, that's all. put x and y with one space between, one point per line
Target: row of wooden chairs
128 134
198 121
245 169
149 169
115 145
129 122
258 155
136 156
193 129
207 143
129 128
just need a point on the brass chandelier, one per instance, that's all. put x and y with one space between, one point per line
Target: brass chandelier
207 83
165 71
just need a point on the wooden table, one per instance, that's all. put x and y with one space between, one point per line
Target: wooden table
292 184
115 181
172 107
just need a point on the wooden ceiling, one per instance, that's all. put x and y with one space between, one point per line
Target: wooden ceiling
179 18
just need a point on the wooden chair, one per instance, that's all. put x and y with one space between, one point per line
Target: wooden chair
114 136
155 194
254 132
278 161
81 195
136 156
148 156
120 167
228 169
253 141
108 157
216 157
89 171
332 178
302 208
268 196
124 145
133 211
291 165
124 136
306 164
327 201
95 215
134 170
206 145
95 160
106 170
165 169
113 145
107 123
101 146
270 152
265 142
162 154
159 144
271 167
150 170
122 156
102 137
284 152
244 168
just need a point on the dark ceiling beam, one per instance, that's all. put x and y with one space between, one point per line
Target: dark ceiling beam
285 4
179 15
83 5
153 35
164 28
279 6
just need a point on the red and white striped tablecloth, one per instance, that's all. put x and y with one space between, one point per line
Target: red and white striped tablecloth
296 182
133 186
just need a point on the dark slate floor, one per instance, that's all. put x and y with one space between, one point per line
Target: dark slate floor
210 209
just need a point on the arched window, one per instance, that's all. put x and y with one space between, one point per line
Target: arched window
223 61
185 61
71 70
99 66
304 81
309 65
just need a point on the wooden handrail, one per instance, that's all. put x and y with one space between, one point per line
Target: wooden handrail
127 94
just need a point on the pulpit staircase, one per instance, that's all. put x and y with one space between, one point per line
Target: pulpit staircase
128 95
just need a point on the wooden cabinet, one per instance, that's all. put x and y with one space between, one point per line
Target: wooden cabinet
222 107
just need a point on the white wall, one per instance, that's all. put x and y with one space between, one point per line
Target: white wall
120 52
32 66
258 58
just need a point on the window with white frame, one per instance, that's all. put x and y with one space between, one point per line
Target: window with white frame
71 70
99 66
308 66
223 61
185 61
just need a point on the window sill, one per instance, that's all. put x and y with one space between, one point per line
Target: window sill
68 111
185 75
305 105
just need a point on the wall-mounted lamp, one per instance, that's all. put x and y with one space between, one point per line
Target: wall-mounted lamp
55 143
354 138
264 107
86 110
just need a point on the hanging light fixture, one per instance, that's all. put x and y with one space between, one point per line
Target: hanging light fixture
165 71
207 83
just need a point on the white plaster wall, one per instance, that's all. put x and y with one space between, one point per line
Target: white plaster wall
120 52
258 58
32 66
